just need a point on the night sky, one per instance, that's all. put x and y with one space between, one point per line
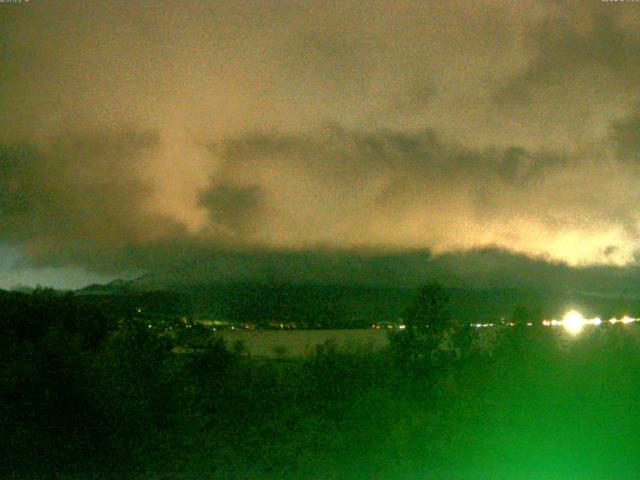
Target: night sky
142 136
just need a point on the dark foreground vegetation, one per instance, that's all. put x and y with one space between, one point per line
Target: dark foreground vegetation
89 395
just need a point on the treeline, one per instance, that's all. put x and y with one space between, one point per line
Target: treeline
84 394
88 394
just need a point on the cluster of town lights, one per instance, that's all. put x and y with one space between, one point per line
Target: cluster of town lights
572 321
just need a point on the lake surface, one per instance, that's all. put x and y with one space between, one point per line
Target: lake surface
274 343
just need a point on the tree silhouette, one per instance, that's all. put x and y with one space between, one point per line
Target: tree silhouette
428 335
429 312
523 314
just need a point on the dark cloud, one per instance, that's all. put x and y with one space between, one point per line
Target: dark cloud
626 134
79 192
234 208
578 43
416 96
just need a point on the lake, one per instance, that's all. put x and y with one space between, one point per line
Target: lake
272 343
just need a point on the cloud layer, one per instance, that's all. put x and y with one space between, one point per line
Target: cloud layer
135 137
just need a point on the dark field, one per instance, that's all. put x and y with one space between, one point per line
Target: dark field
110 400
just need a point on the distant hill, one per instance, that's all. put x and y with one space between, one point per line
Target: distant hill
478 269
343 305
118 286
321 287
